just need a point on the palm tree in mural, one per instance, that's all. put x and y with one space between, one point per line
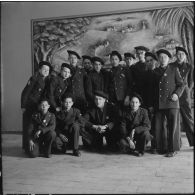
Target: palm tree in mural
180 20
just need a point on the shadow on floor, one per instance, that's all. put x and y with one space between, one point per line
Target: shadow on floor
14 151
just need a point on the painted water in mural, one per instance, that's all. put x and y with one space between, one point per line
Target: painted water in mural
99 35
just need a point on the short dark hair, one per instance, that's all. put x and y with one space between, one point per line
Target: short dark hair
68 95
44 100
137 96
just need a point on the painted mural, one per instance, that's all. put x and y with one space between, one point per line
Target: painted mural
99 35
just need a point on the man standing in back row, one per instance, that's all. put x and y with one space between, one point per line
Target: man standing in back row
79 77
186 72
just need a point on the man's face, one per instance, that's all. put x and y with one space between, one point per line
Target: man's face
129 61
140 55
87 64
135 103
65 72
181 56
44 106
97 66
67 103
163 59
44 70
150 62
114 60
99 101
73 60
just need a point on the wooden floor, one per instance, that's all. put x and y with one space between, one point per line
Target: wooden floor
95 172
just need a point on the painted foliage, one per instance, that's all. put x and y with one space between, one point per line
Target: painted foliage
99 35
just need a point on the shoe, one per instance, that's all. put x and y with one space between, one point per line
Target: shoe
76 153
171 154
140 153
131 143
48 155
153 151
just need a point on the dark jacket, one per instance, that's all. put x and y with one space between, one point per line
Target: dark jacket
140 122
96 81
44 123
34 91
167 82
186 72
119 85
57 88
64 121
78 80
95 117
138 73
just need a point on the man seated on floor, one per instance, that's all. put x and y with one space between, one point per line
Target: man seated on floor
100 121
68 123
41 131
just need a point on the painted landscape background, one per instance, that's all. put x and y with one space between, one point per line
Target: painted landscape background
99 35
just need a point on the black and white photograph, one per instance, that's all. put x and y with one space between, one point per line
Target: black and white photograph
97 97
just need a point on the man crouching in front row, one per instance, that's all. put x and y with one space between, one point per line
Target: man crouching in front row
41 131
68 124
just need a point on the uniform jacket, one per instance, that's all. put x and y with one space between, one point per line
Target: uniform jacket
167 82
33 91
138 73
119 85
79 84
186 72
140 122
96 81
57 88
65 120
93 116
44 123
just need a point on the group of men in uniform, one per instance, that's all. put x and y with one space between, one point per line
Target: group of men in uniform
89 101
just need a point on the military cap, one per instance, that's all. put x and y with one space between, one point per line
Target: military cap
141 48
181 49
42 63
116 53
137 96
74 53
101 94
150 54
130 55
95 58
86 57
163 51
65 65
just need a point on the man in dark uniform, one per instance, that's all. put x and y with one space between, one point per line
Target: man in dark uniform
151 64
68 124
58 86
41 131
33 92
119 82
78 80
97 80
87 63
168 88
186 71
100 121
138 72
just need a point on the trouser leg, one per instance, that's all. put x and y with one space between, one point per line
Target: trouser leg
35 152
74 136
25 124
171 115
48 139
58 145
188 123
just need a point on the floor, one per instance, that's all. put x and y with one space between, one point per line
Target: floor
95 172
